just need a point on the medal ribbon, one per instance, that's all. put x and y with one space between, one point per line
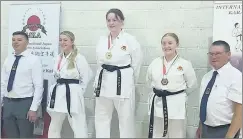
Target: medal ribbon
109 42
59 63
164 68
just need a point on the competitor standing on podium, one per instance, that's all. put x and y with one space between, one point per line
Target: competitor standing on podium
21 89
119 58
72 74
169 76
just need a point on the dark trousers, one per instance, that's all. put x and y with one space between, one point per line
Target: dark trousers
216 132
15 122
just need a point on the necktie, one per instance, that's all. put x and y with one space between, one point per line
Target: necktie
203 106
12 73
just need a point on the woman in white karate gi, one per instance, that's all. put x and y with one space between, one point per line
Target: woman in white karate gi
119 58
72 73
172 74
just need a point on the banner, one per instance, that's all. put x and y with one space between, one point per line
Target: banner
41 22
227 26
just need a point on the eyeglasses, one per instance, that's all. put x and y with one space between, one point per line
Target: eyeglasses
215 54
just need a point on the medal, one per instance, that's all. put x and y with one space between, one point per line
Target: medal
164 81
108 55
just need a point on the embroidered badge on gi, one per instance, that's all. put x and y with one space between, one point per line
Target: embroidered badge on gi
124 48
180 68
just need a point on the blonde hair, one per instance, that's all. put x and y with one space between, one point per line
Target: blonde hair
173 35
71 58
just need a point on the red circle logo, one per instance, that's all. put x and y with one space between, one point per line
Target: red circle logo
33 22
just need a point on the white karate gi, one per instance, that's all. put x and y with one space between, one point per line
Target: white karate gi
126 50
181 76
82 72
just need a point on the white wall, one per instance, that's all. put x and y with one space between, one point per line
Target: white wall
148 21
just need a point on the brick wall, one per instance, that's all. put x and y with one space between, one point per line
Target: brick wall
148 21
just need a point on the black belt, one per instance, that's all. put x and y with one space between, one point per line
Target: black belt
68 99
110 68
163 94
18 99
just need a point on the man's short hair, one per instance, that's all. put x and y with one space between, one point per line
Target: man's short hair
222 43
21 33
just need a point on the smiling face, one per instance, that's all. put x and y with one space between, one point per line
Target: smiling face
169 44
19 43
218 56
66 43
114 23
114 20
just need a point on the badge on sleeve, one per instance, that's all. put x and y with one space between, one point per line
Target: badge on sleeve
124 48
180 68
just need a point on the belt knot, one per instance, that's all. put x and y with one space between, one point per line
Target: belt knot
110 68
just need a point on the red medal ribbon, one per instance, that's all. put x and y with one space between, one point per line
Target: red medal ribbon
164 69
109 42
59 63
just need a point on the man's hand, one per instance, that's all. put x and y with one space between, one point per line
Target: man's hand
236 122
32 116
199 131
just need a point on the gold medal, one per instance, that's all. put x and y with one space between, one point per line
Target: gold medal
164 81
108 55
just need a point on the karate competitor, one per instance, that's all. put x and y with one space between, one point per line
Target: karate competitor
119 58
169 76
66 96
